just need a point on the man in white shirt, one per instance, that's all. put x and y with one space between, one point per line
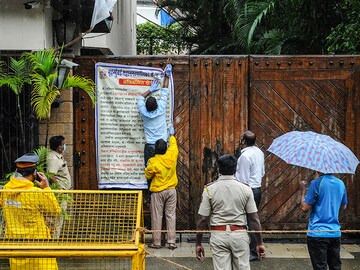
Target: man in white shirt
249 170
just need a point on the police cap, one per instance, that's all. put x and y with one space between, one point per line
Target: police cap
27 160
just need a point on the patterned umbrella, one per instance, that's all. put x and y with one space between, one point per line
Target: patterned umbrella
314 151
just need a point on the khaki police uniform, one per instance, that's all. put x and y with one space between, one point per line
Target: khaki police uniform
57 165
227 202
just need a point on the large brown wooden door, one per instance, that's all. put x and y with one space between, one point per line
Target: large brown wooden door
218 116
302 93
219 97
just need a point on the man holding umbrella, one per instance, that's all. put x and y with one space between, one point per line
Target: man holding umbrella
325 197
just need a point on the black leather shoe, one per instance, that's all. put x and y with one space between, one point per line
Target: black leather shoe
253 258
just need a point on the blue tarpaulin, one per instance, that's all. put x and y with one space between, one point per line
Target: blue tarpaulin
165 18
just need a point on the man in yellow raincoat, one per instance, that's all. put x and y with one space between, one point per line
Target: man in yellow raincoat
161 169
24 212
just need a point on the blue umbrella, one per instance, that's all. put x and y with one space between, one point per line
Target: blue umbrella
314 151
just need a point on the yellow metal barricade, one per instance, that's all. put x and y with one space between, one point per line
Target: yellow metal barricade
61 229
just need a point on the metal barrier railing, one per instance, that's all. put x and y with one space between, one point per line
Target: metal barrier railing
44 225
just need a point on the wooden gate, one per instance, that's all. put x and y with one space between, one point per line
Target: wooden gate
219 97
218 116
302 93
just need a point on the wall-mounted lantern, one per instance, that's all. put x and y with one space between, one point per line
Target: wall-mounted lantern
63 71
64 31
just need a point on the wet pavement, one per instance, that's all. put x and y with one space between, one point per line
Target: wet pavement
279 256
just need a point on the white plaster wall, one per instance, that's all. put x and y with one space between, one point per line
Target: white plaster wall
24 29
147 14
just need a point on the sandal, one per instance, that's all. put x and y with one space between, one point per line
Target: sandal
172 246
154 246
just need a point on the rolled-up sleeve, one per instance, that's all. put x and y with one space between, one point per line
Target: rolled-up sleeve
163 99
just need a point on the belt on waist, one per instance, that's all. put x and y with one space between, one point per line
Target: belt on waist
232 228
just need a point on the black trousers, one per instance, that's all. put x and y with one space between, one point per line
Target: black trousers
323 252
257 198
149 152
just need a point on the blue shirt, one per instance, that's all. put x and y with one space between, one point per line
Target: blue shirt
155 127
326 194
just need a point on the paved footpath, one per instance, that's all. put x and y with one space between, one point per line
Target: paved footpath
279 256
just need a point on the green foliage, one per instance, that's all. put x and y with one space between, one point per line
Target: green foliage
286 27
154 39
345 37
44 77
43 62
43 95
251 16
2 73
269 26
17 77
207 29
83 83
41 151
271 42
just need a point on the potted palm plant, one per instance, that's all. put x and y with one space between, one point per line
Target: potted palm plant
46 87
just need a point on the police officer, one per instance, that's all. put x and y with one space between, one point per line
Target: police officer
230 207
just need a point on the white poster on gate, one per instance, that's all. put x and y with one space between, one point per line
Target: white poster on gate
119 128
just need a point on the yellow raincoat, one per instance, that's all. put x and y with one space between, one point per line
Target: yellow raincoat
161 169
24 218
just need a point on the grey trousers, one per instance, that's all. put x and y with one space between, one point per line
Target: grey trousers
163 201
230 250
